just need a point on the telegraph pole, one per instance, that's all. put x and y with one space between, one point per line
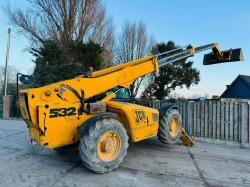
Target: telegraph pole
6 63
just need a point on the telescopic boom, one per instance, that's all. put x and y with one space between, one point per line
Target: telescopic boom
216 56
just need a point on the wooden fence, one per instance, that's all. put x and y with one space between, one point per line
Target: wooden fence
215 120
1 107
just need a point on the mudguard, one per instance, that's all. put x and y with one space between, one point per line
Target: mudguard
83 129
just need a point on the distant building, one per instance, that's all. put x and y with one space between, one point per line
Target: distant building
215 97
238 89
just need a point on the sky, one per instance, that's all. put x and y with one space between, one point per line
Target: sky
193 22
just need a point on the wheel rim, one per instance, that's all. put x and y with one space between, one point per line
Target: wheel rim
109 146
174 127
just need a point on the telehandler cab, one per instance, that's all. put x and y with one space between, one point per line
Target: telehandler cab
67 112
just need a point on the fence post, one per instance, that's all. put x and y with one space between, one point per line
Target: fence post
189 117
156 104
184 114
153 103
243 124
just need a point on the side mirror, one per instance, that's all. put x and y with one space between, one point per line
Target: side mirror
217 57
26 79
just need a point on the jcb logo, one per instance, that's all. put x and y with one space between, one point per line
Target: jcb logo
139 116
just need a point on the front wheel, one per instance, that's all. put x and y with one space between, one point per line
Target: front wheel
170 127
104 147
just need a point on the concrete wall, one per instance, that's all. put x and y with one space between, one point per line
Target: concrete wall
7 106
215 121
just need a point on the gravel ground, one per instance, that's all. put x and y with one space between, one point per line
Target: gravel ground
148 163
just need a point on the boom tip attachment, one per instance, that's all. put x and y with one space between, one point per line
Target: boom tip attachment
230 55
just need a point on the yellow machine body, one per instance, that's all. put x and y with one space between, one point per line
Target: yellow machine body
140 122
52 132
53 113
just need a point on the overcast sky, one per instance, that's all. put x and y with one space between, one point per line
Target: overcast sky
186 22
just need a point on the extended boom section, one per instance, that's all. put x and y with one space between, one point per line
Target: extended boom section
117 76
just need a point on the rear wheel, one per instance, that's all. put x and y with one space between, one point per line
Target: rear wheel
104 147
170 127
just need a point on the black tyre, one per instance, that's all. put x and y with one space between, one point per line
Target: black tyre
170 127
104 147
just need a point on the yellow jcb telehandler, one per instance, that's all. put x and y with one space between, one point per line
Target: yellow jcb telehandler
68 112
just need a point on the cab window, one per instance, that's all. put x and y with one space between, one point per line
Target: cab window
123 93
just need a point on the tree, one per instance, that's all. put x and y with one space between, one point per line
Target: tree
55 63
67 37
178 74
63 21
133 44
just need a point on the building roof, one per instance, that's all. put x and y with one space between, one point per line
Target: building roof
244 78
